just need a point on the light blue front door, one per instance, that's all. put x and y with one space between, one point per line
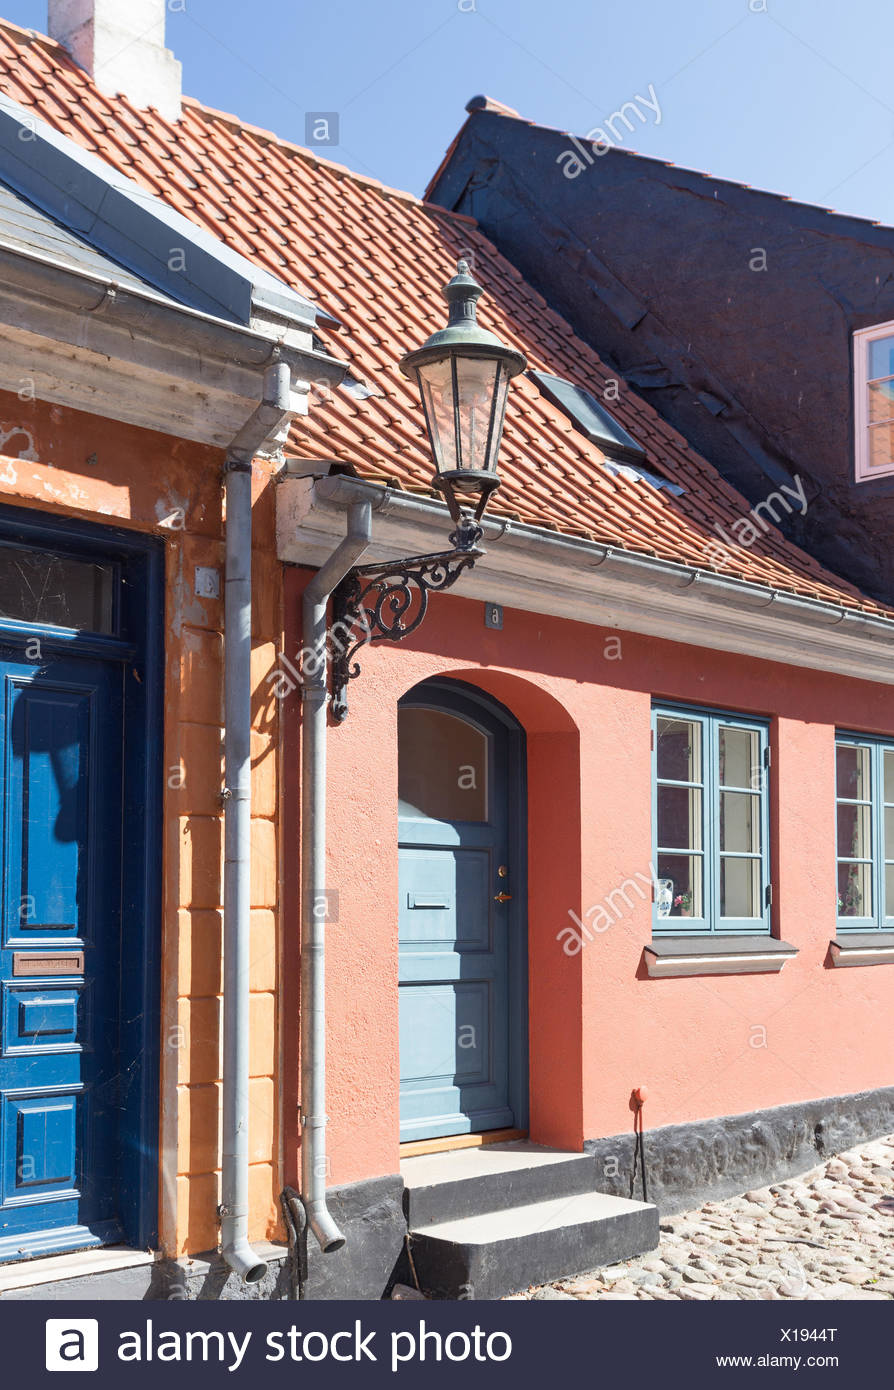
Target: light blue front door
461 916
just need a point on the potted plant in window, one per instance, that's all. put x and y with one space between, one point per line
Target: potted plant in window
849 904
683 904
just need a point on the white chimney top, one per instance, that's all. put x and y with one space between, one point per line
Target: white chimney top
121 43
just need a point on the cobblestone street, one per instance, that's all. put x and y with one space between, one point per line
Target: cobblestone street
827 1234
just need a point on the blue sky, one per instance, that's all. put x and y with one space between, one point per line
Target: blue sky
789 95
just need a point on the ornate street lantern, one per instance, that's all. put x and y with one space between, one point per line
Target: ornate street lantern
463 373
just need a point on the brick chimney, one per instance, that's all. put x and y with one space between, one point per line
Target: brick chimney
121 43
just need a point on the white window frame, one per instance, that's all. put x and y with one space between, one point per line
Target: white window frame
863 337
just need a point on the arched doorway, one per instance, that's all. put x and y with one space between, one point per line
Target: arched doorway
462 913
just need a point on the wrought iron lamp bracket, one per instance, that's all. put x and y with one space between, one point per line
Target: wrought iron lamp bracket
385 602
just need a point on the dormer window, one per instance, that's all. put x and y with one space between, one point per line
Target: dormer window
874 402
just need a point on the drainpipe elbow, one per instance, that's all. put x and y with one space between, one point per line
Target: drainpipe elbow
320 1221
244 1261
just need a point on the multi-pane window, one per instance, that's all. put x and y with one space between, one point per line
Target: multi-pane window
710 822
874 401
864 775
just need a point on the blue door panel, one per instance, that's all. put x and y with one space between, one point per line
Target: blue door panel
45 1144
462 1062
41 1017
446 898
48 1018
449 1024
49 732
61 730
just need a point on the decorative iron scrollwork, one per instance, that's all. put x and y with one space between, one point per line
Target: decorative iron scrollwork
387 601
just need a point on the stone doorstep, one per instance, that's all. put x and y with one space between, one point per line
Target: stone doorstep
78 1264
471 1182
516 1223
495 1253
505 1157
489 1221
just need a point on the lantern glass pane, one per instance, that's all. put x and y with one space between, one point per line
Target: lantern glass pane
499 413
476 381
436 389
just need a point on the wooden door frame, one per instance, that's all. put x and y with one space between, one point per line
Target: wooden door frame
425 694
139 643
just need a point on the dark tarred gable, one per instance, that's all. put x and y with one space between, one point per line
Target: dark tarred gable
376 259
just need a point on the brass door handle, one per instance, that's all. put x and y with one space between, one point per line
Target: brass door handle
502 897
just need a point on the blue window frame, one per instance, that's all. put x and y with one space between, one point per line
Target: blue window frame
710 822
864 827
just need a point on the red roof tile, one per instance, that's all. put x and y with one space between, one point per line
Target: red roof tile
376 259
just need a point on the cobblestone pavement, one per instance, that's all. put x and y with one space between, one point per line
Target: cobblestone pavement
827 1234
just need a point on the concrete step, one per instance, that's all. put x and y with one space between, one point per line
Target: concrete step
468 1182
499 1252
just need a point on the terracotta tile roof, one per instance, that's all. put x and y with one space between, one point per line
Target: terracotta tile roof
376 258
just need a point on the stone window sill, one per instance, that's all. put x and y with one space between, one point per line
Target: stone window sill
863 948
671 956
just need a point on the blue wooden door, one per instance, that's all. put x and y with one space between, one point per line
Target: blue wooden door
461 916
60 1089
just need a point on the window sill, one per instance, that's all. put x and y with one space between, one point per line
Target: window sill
863 948
718 955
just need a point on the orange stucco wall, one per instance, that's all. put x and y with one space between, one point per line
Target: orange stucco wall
703 1046
83 466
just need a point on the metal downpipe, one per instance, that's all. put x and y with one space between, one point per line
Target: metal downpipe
313 875
266 420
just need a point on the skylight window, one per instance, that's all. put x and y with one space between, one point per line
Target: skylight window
591 418
623 456
874 401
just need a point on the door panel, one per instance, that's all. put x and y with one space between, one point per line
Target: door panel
462 1004
466 1007
447 899
48 727
41 1018
61 748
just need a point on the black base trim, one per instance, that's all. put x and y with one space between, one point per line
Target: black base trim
686 1165
370 1216
709 1159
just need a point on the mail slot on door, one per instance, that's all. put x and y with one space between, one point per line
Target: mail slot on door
49 963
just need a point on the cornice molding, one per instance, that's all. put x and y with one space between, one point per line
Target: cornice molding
562 576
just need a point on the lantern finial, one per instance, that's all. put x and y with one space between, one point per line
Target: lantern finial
462 294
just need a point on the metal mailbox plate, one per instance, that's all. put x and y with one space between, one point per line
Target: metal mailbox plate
48 963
